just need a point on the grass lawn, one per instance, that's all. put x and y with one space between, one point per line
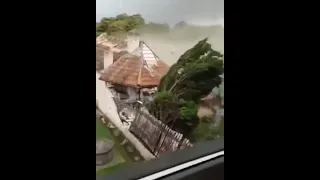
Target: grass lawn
203 132
120 158
102 132
112 169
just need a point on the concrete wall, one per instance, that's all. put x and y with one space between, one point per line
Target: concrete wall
108 107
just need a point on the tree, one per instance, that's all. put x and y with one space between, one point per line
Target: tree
121 23
180 24
194 76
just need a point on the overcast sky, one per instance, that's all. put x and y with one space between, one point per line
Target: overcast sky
169 11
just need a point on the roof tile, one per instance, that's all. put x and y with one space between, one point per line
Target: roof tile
126 71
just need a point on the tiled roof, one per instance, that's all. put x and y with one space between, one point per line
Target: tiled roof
100 48
114 41
130 70
117 55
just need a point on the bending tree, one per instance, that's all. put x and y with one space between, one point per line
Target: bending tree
193 77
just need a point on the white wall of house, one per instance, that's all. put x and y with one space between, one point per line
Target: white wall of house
106 104
108 59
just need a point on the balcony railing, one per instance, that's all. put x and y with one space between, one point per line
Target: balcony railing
205 159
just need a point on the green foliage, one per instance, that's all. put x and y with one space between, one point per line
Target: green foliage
216 132
206 130
188 110
194 76
120 23
164 107
163 96
188 118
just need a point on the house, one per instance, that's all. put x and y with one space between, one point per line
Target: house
108 50
141 69
112 41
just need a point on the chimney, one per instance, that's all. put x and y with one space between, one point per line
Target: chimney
107 58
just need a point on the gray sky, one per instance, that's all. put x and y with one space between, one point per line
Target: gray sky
170 11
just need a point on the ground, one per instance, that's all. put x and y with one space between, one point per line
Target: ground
203 132
120 158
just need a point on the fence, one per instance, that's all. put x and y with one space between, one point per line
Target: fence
156 136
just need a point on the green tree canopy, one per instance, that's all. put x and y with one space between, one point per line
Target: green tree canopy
118 24
194 76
